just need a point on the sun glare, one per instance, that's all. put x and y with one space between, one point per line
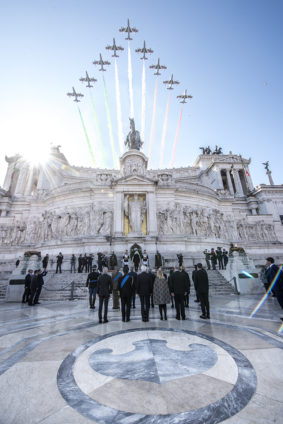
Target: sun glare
37 155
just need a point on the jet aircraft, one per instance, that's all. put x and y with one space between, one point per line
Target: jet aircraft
75 94
114 48
128 29
144 50
184 97
88 80
158 67
170 83
101 63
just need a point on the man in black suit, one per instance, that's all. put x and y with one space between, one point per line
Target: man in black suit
201 281
27 286
104 289
144 290
125 286
179 287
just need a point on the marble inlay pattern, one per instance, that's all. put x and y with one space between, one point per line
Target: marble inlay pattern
163 357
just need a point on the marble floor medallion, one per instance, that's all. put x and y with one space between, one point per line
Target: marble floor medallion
156 375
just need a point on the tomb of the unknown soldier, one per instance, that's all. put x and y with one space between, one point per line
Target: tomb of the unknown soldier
138 294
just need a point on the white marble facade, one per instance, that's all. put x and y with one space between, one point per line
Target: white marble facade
77 209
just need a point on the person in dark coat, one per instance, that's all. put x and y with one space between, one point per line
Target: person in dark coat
158 260
274 276
115 282
187 296
99 261
225 258
180 259
113 261
193 278
179 288
219 255
45 261
59 262
84 260
213 258
40 283
136 260
27 286
169 285
89 263
125 286
33 288
80 263
152 276
36 286
104 289
91 283
73 263
144 290
207 258
135 279
201 281
161 293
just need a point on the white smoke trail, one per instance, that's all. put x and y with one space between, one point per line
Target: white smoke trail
130 74
143 102
164 132
153 121
119 110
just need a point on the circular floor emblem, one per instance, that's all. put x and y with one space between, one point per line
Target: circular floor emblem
145 376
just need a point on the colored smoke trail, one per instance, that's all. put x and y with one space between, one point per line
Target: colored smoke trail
176 138
164 132
98 132
130 75
143 102
87 138
153 121
114 155
119 110
265 296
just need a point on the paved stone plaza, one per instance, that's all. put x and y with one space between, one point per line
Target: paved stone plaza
58 365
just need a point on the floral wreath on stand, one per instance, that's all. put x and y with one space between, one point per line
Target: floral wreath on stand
133 249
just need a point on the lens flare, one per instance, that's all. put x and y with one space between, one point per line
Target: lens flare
265 296
247 274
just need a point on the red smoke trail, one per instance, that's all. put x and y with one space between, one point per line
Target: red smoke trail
176 138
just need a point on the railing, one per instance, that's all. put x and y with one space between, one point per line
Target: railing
72 284
235 284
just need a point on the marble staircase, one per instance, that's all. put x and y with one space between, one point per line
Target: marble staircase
58 286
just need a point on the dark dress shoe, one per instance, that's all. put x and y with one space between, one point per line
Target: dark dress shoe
178 318
203 316
208 316
128 319
100 321
106 320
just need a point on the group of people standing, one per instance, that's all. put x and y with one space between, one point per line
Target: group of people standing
33 286
214 257
159 289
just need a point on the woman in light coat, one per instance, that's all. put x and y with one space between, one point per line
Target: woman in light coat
161 293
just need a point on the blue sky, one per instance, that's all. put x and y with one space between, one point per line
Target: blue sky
228 54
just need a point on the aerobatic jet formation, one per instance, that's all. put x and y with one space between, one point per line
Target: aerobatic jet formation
88 80
144 50
75 94
170 82
101 63
184 97
114 48
128 29
158 67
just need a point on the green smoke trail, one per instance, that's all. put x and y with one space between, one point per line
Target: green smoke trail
87 139
114 154
101 147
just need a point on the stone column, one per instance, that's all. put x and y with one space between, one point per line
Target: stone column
7 181
29 183
230 185
118 219
21 181
238 184
151 214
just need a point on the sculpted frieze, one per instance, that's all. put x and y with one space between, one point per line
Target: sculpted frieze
55 225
